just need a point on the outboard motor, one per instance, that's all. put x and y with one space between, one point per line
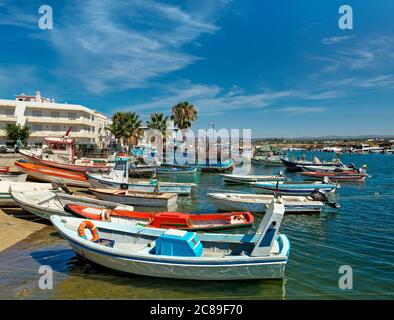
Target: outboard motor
327 198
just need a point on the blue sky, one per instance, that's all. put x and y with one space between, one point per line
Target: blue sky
281 68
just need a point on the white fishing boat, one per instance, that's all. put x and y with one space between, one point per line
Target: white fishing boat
180 254
44 203
246 179
5 197
118 178
137 198
16 177
258 203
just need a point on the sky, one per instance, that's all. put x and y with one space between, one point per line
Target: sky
281 68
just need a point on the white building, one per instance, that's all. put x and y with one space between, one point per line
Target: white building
49 119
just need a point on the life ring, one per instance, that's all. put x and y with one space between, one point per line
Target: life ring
88 224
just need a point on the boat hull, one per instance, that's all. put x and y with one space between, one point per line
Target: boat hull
136 201
244 269
64 166
291 207
50 175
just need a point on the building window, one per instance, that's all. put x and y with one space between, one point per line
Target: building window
37 127
55 114
55 128
36 113
72 115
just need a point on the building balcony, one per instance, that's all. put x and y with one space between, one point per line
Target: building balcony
44 134
7 118
52 120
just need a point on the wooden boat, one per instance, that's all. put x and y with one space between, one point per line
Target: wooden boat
118 178
54 175
296 165
247 179
13 176
137 198
335 176
5 197
181 254
268 160
165 220
294 188
78 166
327 168
165 170
258 203
44 203
4 169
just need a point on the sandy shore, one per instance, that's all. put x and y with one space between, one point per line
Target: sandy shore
15 224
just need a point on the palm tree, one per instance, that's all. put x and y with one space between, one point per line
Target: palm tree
16 132
183 114
126 127
158 121
132 127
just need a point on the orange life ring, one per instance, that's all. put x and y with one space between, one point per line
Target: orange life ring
88 224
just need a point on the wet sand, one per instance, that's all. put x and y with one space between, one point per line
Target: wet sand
16 225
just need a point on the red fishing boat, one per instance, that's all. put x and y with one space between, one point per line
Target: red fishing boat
50 174
336 176
166 220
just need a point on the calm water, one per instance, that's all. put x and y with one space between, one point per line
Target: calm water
359 234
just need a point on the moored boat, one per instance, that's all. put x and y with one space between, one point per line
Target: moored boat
136 198
5 186
78 165
258 203
13 176
296 165
118 178
169 170
274 161
335 176
247 179
181 254
165 220
53 175
44 203
4 169
295 188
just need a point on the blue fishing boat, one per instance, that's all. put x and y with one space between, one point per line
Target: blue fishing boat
181 254
295 188
218 166
168 170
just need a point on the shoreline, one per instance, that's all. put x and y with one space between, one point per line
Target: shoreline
14 224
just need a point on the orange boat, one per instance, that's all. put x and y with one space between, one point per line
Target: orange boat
166 220
50 174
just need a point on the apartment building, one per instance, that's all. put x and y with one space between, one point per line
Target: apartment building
46 118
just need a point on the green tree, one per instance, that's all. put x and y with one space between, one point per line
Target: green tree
16 131
183 114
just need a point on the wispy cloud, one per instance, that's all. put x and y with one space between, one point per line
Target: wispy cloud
111 46
301 110
210 99
337 39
